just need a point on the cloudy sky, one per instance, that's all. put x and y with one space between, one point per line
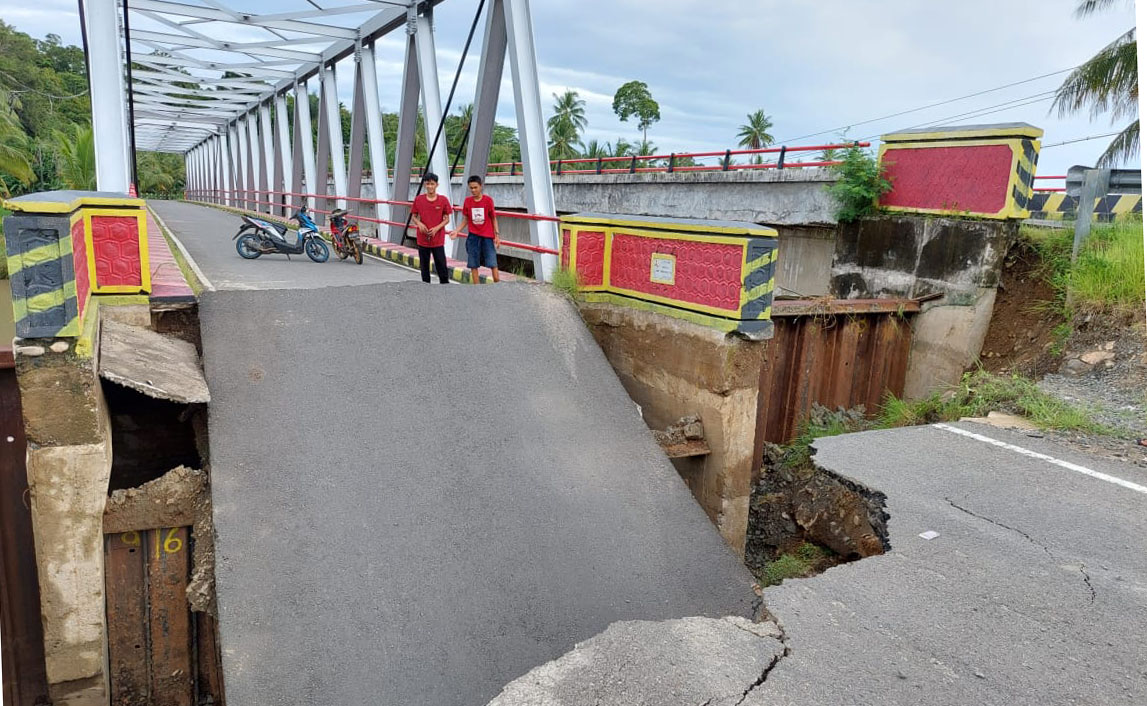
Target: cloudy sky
814 66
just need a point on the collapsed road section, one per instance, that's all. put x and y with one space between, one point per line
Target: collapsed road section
421 493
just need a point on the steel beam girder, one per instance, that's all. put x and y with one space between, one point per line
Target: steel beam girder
539 188
374 132
266 149
330 97
486 97
404 150
253 167
431 99
109 124
357 137
244 176
305 146
236 164
282 151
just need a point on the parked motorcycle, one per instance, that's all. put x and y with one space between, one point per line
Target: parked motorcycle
258 237
345 236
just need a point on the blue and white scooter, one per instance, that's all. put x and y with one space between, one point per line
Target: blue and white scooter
258 237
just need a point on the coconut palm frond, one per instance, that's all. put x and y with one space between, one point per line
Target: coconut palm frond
1108 81
1088 7
1122 149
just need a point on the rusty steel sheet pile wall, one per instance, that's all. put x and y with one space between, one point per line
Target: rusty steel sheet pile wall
719 274
836 354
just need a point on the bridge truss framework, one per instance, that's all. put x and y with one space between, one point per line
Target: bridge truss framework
212 82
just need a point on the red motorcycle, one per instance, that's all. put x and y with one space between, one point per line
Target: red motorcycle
345 236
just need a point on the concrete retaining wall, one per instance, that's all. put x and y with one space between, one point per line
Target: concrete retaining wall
917 256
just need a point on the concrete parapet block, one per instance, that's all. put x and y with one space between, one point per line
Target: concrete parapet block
981 170
700 372
61 398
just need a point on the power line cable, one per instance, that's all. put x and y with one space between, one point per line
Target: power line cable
926 107
985 110
1082 139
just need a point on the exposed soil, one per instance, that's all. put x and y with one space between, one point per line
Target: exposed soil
1021 337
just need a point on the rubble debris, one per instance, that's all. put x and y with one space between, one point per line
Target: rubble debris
683 438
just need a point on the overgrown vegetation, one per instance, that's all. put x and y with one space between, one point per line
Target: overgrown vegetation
803 561
1108 274
981 392
565 280
860 184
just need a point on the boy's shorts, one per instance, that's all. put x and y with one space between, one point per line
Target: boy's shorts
480 252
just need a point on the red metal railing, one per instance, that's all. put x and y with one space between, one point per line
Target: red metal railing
292 199
670 162
1051 188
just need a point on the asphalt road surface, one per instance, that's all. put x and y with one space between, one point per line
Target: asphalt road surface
206 234
419 500
1033 592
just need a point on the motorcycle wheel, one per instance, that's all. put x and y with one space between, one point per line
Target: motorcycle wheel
317 250
339 250
357 251
248 247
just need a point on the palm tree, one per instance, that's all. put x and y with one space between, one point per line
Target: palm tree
755 134
77 157
564 141
1108 81
570 109
15 160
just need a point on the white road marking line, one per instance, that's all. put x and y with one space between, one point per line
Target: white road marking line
186 255
1044 457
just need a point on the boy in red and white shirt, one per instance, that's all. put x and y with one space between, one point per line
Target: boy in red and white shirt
431 215
482 239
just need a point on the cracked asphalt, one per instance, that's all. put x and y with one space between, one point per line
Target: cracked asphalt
1033 592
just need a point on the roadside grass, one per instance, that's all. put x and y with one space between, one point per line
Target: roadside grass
981 392
566 281
803 561
1106 277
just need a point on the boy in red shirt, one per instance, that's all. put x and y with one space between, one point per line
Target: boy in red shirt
431 216
482 239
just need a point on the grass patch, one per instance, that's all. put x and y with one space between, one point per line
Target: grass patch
821 422
566 281
1108 273
981 392
803 561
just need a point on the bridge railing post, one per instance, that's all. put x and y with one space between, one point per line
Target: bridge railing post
727 160
781 159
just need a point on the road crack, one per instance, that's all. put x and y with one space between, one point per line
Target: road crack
784 638
1082 568
1020 532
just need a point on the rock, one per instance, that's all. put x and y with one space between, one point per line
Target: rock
1096 357
682 662
1074 367
1003 421
30 351
58 347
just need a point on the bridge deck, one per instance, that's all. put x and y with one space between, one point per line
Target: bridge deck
422 492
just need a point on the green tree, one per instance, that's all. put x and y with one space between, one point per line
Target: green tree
1108 81
15 159
755 133
634 99
566 125
861 182
77 152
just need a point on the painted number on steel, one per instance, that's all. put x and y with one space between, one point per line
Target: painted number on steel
166 541
663 268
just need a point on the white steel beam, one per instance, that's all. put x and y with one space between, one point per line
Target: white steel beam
431 99
244 176
253 160
374 132
274 22
539 188
283 164
490 69
267 150
304 138
407 129
357 137
335 129
227 145
105 66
